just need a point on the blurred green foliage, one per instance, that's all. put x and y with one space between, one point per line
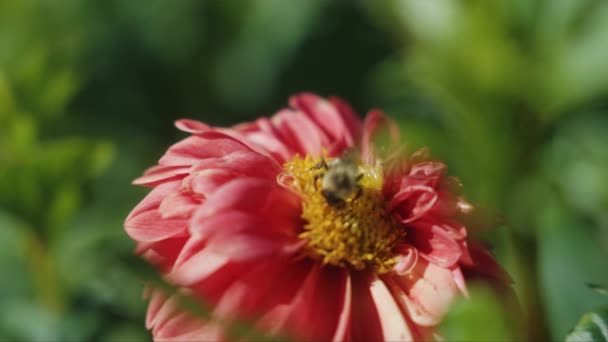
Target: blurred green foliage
513 95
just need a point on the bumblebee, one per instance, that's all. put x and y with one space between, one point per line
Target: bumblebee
341 179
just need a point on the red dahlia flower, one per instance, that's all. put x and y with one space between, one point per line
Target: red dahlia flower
281 223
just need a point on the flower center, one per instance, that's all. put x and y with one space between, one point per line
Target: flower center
342 204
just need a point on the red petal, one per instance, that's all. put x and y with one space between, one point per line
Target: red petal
232 222
484 263
365 319
316 311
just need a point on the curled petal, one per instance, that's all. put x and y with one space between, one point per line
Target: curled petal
430 170
435 244
430 291
374 123
406 259
161 174
412 203
192 126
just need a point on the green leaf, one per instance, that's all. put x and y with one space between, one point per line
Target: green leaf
479 318
601 289
569 256
593 326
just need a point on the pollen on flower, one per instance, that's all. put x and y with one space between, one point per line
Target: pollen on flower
357 232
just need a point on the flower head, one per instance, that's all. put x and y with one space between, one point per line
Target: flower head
295 223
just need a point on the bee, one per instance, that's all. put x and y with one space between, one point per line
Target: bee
341 179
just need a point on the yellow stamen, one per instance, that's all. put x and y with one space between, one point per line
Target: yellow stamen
357 232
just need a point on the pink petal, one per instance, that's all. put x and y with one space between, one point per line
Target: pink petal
429 169
192 126
430 291
149 226
418 332
196 268
157 300
305 137
163 253
344 323
161 174
394 325
186 327
460 282
351 121
165 309
246 137
243 247
336 124
242 163
406 259
279 150
255 195
178 205
154 198
255 292
434 244
412 202
209 144
205 182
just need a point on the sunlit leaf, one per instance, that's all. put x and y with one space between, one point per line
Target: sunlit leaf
593 327
601 289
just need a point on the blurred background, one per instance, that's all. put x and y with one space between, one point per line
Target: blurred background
513 95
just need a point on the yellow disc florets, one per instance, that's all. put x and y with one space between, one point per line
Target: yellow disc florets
346 221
